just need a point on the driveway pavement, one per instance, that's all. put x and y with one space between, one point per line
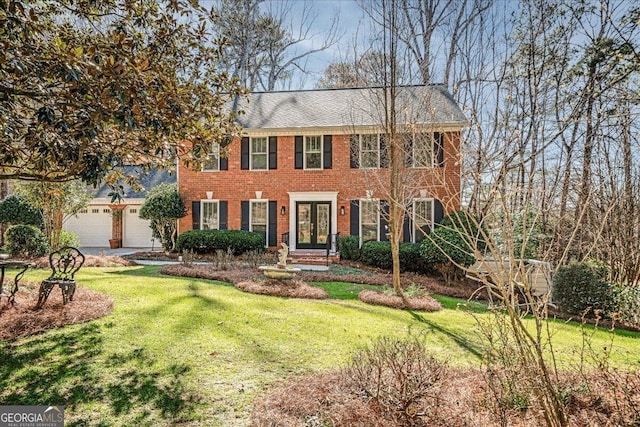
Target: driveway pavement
109 251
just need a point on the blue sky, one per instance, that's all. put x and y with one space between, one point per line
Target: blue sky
349 17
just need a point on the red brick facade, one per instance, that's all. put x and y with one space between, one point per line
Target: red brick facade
236 185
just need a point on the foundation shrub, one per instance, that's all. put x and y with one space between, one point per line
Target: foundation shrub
378 254
210 241
349 247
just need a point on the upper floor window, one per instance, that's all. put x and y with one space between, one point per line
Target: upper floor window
313 152
419 148
212 161
368 151
210 215
258 153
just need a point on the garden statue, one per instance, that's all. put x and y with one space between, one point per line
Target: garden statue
282 255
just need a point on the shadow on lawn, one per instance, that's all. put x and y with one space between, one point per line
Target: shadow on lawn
71 368
463 342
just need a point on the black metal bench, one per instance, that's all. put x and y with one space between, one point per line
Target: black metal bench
64 263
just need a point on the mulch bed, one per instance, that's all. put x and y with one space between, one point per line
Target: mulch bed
22 319
247 279
290 289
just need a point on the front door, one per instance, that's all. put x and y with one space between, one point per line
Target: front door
313 221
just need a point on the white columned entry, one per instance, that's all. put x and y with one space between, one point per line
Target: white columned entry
311 196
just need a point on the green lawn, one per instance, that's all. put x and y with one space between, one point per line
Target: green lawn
197 352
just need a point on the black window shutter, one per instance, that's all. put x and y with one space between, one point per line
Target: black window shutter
244 215
273 223
384 156
273 152
195 215
406 228
354 150
408 149
438 139
223 214
244 153
327 151
299 152
354 215
384 224
438 211
224 164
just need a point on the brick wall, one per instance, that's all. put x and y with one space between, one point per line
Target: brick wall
235 185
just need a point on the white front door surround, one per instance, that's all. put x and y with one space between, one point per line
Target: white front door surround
311 196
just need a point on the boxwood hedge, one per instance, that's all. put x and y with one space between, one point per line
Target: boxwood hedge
378 254
210 241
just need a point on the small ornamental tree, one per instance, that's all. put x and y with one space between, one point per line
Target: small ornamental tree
163 206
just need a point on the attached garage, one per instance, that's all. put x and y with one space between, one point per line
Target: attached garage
92 225
136 232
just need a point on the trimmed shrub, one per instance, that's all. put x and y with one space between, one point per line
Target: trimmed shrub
68 238
210 241
349 247
25 240
16 210
378 254
582 288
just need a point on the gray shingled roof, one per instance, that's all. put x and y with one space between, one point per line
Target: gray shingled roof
428 105
148 180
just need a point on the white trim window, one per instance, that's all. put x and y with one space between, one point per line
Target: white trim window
421 218
259 153
212 161
210 214
313 152
259 218
422 150
369 220
370 151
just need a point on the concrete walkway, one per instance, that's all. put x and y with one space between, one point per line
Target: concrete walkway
128 251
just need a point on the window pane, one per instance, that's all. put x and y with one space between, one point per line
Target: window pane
313 152
212 163
209 215
259 153
369 220
422 219
258 213
369 142
370 157
423 150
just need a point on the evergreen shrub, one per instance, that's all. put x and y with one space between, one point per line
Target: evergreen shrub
210 241
25 240
582 288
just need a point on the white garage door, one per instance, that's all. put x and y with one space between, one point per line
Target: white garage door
92 225
136 232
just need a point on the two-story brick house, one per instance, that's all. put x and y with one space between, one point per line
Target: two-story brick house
309 166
